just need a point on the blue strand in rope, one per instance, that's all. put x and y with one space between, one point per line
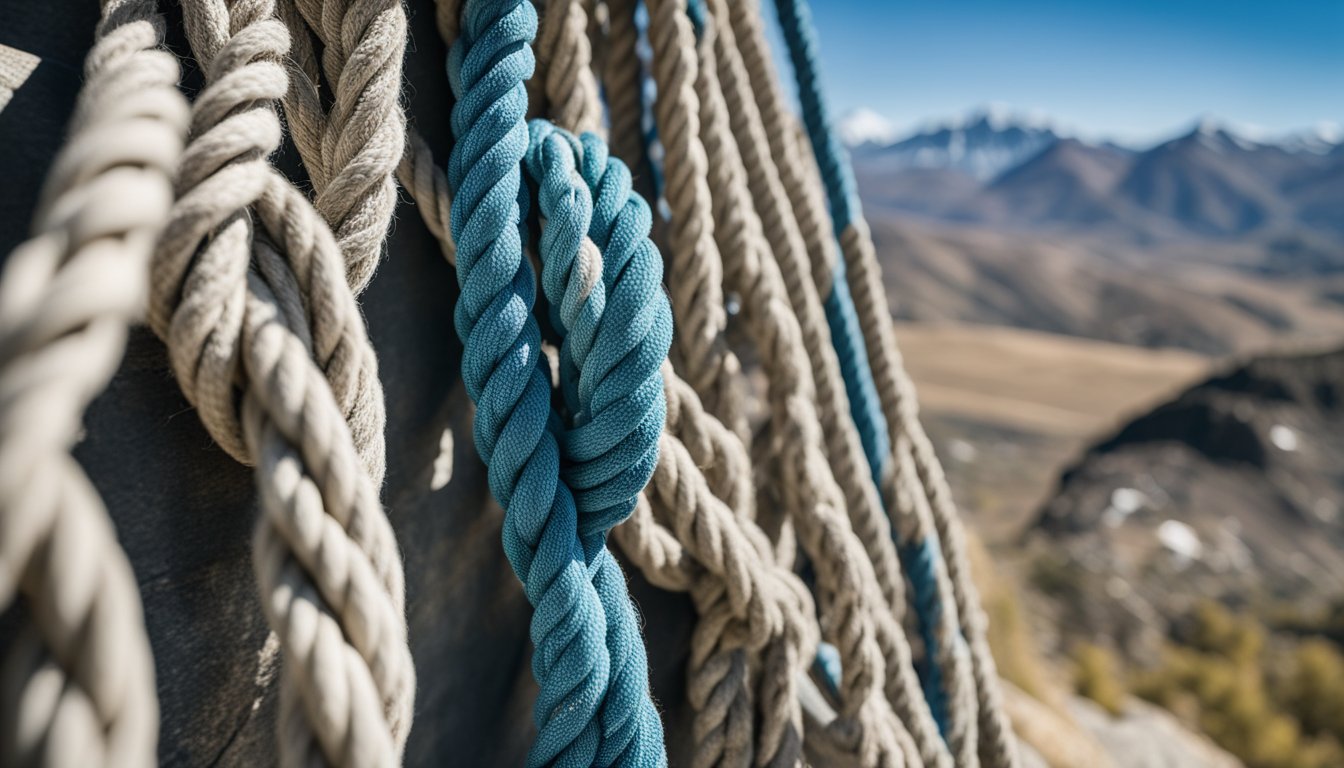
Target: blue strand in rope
919 558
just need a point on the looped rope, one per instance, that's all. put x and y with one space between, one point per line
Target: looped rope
267 314
603 278
593 706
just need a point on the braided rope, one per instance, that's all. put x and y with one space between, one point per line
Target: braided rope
77 686
893 385
289 334
352 151
695 270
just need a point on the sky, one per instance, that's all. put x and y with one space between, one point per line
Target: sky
1132 71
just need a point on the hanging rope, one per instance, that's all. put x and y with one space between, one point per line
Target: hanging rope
893 384
77 684
288 332
557 551
565 61
602 273
252 288
842 443
695 270
352 150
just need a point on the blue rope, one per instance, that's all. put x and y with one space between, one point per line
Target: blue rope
918 558
505 375
616 332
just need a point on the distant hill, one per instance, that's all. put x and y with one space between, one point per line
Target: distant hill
1090 287
1231 490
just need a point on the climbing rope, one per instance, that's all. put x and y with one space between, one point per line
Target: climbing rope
892 383
77 683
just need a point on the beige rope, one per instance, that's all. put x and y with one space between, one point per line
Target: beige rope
748 605
425 179
565 62
996 747
915 460
352 151
695 271
77 685
771 322
287 334
624 89
845 454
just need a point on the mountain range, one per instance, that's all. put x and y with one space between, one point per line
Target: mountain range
1211 241
1210 182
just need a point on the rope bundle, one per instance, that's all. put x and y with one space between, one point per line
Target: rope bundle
810 523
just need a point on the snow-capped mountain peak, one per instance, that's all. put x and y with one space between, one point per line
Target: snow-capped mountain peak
982 144
1321 139
864 126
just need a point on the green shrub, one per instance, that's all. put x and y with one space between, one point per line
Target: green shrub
1096 676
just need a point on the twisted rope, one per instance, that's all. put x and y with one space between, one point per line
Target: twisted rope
844 452
623 86
811 494
565 60
565 578
270 313
695 270
352 151
750 607
893 385
77 686
603 274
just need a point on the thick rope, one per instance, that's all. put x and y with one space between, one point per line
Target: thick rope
698 544
565 61
623 85
77 687
695 270
274 317
351 151
506 376
893 384
603 277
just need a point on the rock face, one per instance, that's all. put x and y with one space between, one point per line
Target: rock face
1147 737
1228 491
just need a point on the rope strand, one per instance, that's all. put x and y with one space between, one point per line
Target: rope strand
77 685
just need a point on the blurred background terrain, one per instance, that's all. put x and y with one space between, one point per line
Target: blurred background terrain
1113 239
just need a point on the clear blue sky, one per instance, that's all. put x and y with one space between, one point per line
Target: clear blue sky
1132 71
